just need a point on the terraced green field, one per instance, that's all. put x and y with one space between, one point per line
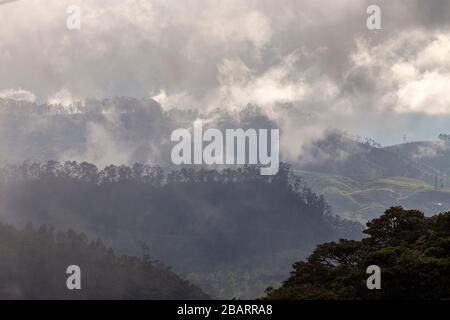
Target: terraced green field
362 201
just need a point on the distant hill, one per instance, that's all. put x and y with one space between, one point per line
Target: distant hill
435 154
119 130
33 265
338 155
362 201
358 180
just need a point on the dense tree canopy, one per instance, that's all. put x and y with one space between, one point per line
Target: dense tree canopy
33 265
413 252
197 221
196 218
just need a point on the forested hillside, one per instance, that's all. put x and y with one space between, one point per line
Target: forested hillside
199 222
363 201
360 178
124 130
33 264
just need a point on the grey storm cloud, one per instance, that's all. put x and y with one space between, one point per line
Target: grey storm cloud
318 57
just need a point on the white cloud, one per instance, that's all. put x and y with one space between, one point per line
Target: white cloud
239 85
436 55
18 94
103 146
430 150
200 54
410 72
428 94
231 22
62 97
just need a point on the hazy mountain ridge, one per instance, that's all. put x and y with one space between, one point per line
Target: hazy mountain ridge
369 179
359 180
336 154
125 130
117 131
435 154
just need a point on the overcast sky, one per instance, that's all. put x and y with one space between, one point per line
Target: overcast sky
317 56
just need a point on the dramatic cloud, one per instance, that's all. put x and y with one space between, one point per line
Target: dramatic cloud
410 71
315 58
17 94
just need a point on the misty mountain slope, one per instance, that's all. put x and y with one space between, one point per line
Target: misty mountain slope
127 130
359 180
335 154
33 265
120 130
435 154
196 221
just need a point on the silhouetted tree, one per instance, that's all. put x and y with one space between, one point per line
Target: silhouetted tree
413 252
